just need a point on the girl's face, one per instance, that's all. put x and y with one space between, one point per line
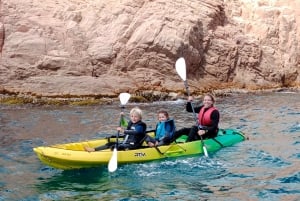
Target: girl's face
162 117
135 118
207 102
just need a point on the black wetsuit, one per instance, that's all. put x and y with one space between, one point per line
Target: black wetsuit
133 138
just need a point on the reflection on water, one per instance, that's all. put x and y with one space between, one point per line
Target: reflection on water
264 168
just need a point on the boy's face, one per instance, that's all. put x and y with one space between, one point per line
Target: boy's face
135 118
162 117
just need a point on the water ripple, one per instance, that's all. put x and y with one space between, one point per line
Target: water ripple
266 167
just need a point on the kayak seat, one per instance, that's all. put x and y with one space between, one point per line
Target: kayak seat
181 139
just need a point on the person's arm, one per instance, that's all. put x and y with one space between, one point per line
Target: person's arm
139 130
189 106
215 117
131 132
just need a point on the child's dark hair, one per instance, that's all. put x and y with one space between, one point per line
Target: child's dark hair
163 112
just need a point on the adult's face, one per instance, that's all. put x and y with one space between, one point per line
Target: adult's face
207 101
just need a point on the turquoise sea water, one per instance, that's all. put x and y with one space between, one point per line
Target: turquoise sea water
266 167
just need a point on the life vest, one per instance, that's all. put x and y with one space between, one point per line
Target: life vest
165 129
204 117
134 135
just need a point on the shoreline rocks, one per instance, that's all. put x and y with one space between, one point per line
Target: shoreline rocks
144 96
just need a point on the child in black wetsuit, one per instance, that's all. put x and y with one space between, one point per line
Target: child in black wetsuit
133 135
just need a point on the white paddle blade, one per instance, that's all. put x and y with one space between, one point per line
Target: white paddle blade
181 68
113 162
205 151
124 97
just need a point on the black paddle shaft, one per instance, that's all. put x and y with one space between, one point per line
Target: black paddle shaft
192 105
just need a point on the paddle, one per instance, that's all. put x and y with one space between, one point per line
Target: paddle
181 71
113 162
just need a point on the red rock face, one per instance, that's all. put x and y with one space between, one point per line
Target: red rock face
67 47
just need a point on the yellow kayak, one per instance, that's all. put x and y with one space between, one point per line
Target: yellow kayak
73 156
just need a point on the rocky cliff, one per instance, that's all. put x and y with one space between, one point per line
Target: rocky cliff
76 48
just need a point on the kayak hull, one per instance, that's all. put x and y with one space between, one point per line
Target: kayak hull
73 156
